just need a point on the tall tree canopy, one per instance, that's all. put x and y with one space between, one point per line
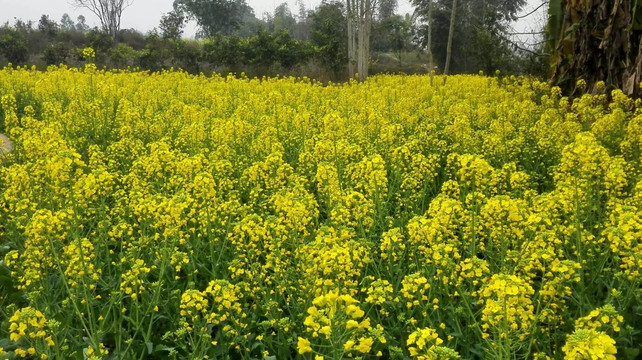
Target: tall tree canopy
66 23
108 12
47 27
328 34
479 37
283 19
172 24
215 16
387 8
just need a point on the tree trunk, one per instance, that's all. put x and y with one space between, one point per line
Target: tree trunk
362 34
366 30
451 32
360 13
365 19
351 38
360 51
430 61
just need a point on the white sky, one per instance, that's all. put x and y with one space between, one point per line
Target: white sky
144 15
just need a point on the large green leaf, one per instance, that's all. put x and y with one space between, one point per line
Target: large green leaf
555 22
636 22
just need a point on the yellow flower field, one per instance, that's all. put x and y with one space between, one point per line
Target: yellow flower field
171 216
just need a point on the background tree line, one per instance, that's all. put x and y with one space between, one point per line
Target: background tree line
313 42
599 42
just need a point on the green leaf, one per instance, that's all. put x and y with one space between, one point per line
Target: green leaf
636 23
150 347
161 348
555 21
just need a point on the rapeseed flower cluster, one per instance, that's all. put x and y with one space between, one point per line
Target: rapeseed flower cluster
178 216
28 327
425 344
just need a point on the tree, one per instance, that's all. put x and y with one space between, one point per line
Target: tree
223 50
393 34
359 15
55 54
596 41
215 16
157 53
283 19
479 39
108 12
291 52
451 32
429 42
13 46
22 26
351 32
66 23
101 42
47 26
172 24
387 8
122 55
249 25
328 33
302 28
81 24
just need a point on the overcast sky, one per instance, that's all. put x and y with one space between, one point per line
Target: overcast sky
144 15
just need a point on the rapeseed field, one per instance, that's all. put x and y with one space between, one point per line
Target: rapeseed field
174 216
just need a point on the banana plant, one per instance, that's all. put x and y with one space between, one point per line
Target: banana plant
596 41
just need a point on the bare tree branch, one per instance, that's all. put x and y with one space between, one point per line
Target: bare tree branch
532 11
527 33
109 12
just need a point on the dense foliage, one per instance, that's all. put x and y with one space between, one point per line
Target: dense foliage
481 38
262 53
598 41
215 16
312 42
179 216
